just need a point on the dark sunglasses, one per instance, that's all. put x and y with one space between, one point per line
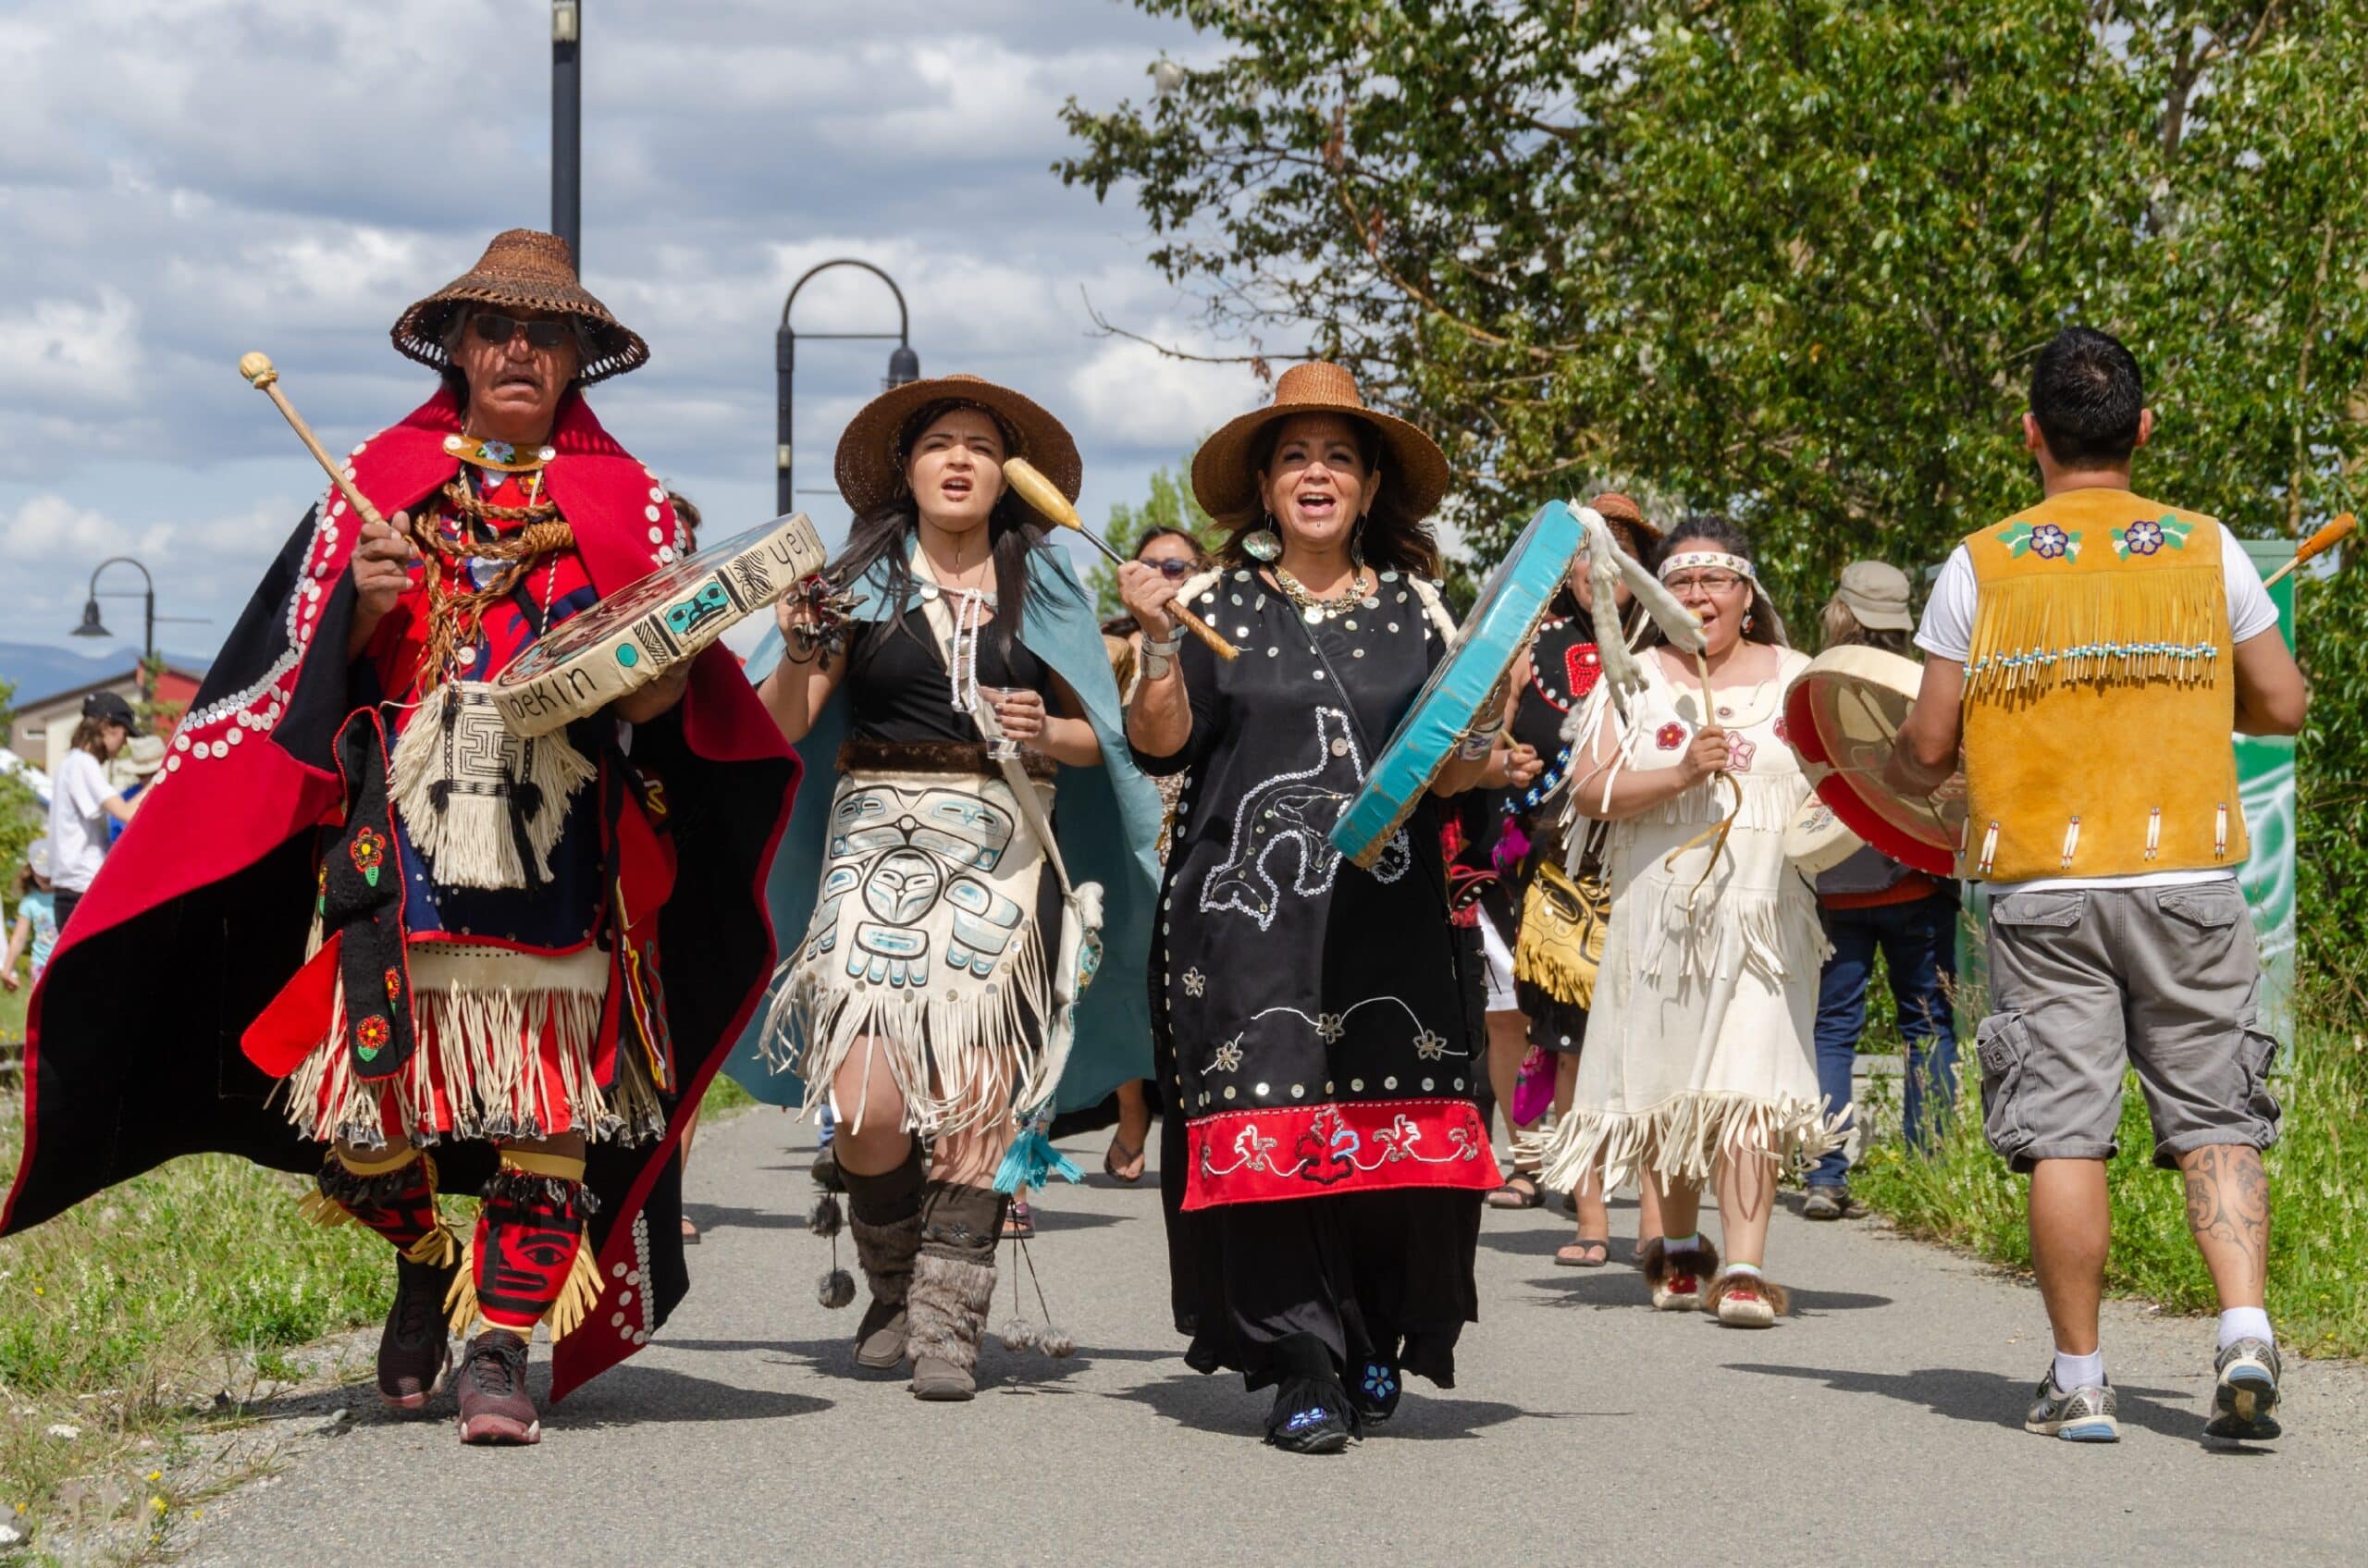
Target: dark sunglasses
492 328
1170 568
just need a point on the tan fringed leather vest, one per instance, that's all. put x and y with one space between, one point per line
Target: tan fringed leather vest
2100 695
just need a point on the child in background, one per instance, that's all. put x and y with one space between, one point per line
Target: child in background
36 917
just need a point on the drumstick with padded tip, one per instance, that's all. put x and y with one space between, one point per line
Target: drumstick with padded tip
2325 539
256 368
1046 498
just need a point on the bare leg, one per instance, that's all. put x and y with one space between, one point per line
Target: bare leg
2071 1228
1747 1184
1508 1043
2227 1209
1133 1132
1677 1206
873 1140
1649 1222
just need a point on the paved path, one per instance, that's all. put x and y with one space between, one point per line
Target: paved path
1880 1426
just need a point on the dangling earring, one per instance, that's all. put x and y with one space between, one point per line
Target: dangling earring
1263 543
1748 619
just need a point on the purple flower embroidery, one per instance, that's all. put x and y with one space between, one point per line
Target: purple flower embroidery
2049 540
2143 538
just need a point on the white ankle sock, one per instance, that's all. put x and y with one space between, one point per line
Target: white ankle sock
1682 1244
2245 1323
1751 1268
2080 1370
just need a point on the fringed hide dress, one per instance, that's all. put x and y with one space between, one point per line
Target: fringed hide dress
938 918
1700 1039
1321 1158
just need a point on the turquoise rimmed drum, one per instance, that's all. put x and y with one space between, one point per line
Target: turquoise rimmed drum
1503 620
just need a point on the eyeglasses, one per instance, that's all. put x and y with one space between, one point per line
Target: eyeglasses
1708 582
1170 567
495 328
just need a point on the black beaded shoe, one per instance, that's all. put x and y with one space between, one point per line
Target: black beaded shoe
1311 1415
1376 1393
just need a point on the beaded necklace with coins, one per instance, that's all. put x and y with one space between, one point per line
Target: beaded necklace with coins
1315 609
456 602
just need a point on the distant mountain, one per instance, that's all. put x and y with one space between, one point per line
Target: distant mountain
39 670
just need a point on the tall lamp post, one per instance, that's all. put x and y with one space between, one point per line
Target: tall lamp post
92 627
567 126
903 365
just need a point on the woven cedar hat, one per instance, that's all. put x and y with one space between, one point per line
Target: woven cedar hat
1619 512
1225 473
524 269
870 462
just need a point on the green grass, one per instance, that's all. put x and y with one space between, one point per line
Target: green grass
1964 1196
122 1318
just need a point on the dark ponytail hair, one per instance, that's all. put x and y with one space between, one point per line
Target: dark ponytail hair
1718 533
882 534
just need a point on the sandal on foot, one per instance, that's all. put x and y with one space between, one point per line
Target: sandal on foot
1518 1193
1115 1168
1576 1254
1019 1222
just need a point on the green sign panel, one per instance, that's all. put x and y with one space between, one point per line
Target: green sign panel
2265 774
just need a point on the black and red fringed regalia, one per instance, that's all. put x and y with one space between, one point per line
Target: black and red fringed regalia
202 916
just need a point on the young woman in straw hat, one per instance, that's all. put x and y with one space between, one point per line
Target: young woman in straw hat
929 995
1321 1156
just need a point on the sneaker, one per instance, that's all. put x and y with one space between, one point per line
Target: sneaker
1376 1393
2244 1403
2084 1415
414 1350
1311 1415
495 1405
1833 1201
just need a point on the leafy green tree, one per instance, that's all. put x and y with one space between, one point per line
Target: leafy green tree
21 817
1784 258
1170 505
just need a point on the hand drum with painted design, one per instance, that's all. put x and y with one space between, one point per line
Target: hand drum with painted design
664 621
1841 715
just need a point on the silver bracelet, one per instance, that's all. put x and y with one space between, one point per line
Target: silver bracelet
1165 646
1156 662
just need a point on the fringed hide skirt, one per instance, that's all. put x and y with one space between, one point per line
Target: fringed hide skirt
507 1043
927 951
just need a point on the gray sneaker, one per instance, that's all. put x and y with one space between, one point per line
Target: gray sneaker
2084 1415
2244 1404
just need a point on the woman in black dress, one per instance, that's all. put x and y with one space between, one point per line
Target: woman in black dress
1321 1158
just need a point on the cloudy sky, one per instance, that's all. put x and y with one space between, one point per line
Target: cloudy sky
182 180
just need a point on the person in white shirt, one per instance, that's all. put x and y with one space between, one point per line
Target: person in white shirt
83 799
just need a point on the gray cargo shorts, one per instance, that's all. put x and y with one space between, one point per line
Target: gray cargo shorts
2085 979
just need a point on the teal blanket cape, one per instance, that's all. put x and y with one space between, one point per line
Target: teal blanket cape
1107 819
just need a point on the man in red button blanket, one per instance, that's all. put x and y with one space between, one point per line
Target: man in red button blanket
357 912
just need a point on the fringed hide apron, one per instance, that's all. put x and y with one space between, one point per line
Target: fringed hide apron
1701 1036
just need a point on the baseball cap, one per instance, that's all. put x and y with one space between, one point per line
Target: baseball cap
1876 592
37 857
109 706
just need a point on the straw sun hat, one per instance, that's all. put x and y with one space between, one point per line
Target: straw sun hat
522 269
1224 471
871 463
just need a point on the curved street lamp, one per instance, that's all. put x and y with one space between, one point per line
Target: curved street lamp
903 365
93 627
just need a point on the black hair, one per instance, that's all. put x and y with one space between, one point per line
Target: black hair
1720 533
1163 531
881 534
2087 395
1392 537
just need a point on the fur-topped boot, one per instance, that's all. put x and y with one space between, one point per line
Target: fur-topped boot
1743 1298
886 1219
954 1283
1677 1277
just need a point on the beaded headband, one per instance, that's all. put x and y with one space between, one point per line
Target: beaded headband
1718 558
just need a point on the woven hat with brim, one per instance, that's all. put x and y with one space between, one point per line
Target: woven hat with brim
871 463
1224 471
1619 512
522 269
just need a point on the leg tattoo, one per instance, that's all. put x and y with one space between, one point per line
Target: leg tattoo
2228 1204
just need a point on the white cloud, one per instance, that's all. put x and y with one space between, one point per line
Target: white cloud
70 351
1131 394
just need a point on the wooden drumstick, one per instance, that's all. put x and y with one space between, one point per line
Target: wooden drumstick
1046 498
2325 539
256 368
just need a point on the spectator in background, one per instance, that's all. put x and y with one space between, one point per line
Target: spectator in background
1871 903
82 799
36 917
133 771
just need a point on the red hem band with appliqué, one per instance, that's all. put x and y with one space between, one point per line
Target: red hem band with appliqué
1272 1153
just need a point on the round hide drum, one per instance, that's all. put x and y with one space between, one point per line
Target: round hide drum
655 623
1816 840
1840 716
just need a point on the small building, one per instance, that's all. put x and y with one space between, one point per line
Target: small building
44 725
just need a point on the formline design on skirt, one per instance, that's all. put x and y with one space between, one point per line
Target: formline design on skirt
1345 1146
1292 811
